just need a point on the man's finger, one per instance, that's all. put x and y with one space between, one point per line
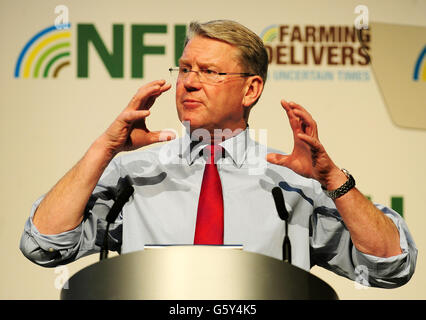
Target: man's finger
311 141
295 106
299 111
161 136
308 124
144 93
150 101
131 116
287 107
302 113
292 118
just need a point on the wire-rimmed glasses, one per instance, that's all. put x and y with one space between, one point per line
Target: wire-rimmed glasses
205 75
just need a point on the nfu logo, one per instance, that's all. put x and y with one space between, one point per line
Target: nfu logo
419 73
47 52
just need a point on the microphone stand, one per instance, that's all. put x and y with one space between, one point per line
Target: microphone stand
125 190
286 245
283 214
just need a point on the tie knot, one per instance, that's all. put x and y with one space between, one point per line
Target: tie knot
213 152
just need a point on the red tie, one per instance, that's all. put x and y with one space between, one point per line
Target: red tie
209 227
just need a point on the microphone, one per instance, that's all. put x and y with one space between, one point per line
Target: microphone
125 190
283 214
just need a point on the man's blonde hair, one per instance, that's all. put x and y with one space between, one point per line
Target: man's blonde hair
252 53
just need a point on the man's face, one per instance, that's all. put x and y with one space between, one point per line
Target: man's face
211 105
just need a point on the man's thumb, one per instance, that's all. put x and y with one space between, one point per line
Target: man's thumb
276 158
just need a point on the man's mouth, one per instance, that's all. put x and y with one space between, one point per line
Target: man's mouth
191 103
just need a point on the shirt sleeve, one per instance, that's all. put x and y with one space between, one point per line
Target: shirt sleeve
332 248
56 249
388 272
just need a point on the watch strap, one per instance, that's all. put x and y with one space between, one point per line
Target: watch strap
343 189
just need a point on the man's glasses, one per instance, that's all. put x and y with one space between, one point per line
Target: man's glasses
205 75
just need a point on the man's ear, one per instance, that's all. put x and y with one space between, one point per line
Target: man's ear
254 88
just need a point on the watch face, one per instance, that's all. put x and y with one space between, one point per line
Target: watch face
346 172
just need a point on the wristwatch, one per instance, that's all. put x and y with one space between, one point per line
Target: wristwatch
343 189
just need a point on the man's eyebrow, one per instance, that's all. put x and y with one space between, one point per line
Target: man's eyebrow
201 64
183 61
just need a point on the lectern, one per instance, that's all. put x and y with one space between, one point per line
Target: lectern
195 273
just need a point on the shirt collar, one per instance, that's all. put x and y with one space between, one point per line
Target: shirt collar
235 148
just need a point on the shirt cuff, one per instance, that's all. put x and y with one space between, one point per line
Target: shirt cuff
387 272
52 242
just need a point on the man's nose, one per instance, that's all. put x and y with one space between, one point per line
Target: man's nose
192 81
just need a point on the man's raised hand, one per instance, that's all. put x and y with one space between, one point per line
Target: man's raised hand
129 130
308 157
